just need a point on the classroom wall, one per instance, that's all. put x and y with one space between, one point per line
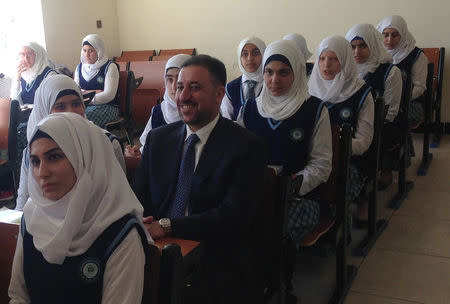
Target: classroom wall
65 31
216 27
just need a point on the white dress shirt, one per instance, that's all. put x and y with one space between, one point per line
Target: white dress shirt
110 88
393 92
123 280
226 108
419 76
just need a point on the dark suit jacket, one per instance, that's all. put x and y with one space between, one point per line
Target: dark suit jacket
226 186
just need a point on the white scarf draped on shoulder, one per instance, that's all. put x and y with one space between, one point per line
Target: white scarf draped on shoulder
40 62
345 83
169 106
101 195
374 40
89 70
283 107
407 42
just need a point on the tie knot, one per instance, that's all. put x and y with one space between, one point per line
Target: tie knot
251 83
192 140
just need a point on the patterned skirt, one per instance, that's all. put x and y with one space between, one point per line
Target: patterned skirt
355 183
416 112
303 217
102 114
21 139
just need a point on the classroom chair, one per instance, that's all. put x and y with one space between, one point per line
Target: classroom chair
173 52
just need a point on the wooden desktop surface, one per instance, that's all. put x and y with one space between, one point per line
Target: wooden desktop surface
187 246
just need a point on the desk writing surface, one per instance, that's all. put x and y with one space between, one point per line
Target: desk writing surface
186 245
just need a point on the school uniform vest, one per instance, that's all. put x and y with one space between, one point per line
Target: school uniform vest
287 140
80 278
309 68
407 63
28 91
347 111
377 79
158 117
98 82
235 94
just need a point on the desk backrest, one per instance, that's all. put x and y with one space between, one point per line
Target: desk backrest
123 65
133 54
173 52
162 58
9 115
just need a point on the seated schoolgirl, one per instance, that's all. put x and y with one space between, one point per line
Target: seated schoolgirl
81 239
400 43
300 41
376 68
97 74
250 53
296 128
58 93
335 80
167 111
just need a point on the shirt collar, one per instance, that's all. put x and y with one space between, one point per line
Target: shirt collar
204 132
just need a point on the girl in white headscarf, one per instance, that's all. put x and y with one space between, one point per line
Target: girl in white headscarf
82 238
32 69
335 80
300 41
296 128
376 68
400 43
247 86
166 112
58 93
97 74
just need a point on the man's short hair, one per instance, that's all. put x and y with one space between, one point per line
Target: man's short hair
214 66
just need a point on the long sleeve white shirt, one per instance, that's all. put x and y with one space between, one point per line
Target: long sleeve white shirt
110 88
364 127
419 76
393 92
123 280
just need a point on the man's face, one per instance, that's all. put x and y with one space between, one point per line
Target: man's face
361 51
198 96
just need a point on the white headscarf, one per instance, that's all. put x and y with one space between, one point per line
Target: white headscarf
101 195
345 83
374 41
407 42
300 41
45 98
282 107
258 75
90 70
169 106
40 62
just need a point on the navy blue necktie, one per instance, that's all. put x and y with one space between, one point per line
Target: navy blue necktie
249 89
183 190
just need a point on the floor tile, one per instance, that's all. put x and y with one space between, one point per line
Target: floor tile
359 298
410 277
427 204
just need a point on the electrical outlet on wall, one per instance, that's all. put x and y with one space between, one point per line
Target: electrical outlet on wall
99 24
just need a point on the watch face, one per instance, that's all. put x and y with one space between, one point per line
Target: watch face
165 222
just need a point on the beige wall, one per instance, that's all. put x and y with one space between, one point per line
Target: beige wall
216 27
67 22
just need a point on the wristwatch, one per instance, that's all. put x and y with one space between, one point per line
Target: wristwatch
165 225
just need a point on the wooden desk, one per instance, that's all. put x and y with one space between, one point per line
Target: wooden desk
8 241
187 247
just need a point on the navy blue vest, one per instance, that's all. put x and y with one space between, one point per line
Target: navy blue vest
309 68
98 81
157 117
28 91
407 63
236 96
287 140
377 79
347 111
80 278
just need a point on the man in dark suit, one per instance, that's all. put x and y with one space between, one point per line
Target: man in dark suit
212 200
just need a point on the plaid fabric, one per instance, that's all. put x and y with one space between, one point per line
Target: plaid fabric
416 112
303 217
21 139
102 114
356 183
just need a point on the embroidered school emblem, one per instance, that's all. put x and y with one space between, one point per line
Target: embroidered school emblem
100 79
296 135
346 113
90 269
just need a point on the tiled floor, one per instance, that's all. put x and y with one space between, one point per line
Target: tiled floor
410 263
